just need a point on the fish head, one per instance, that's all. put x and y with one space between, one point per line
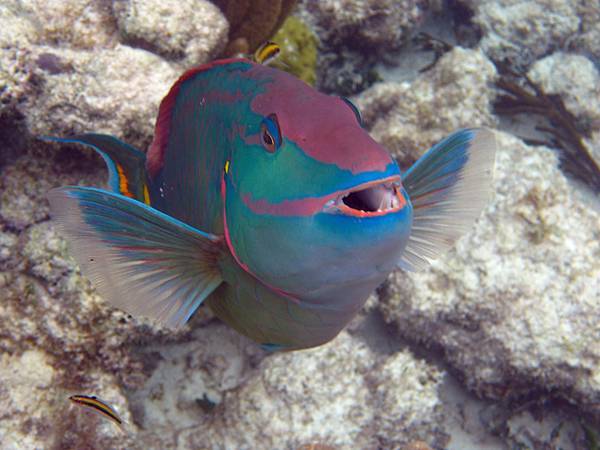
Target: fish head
311 200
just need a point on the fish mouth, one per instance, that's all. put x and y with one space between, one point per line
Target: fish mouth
375 198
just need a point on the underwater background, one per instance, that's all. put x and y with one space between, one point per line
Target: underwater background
495 346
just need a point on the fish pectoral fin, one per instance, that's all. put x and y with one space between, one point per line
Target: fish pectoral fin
448 186
140 259
125 163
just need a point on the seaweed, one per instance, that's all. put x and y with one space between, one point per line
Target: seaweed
520 95
252 22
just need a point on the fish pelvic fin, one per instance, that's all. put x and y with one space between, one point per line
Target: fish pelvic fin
272 348
448 186
140 259
125 163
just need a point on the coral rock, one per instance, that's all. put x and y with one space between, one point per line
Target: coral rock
364 400
354 33
526 30
192 30
371 26
407 118
114 91
79 24
588 40
27 179
577 80
26 380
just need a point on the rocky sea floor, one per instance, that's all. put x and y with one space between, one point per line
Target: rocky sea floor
496 346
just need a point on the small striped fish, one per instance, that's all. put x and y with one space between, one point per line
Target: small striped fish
97 406
267 53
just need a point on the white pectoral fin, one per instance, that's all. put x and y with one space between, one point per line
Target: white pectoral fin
448 186
140 259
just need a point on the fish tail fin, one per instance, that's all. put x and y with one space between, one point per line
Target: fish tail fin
125 163
140 259
448 187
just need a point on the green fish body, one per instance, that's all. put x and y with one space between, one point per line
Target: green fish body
269 201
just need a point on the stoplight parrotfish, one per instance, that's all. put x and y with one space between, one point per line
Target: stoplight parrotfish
267 200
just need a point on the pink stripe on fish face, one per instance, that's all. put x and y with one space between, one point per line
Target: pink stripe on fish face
324 127
314 205
234 253
299 207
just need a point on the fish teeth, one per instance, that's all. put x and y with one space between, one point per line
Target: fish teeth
331 204
385 194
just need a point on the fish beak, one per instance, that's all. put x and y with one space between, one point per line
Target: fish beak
375 198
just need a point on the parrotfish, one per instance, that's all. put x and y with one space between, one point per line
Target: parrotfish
269 201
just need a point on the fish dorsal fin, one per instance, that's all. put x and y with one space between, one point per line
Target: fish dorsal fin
139 259
157 149
125 163
448 186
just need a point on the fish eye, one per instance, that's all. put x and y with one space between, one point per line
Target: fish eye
270 133
354 110
268 139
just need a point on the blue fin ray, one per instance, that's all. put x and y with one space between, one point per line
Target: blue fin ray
448 187
140 259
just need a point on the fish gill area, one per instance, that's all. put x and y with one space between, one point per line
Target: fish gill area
495 346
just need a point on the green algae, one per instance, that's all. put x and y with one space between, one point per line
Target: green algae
298 50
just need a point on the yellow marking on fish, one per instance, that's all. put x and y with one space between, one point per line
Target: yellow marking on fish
267 52
146 195
123 183
97 405
226 166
